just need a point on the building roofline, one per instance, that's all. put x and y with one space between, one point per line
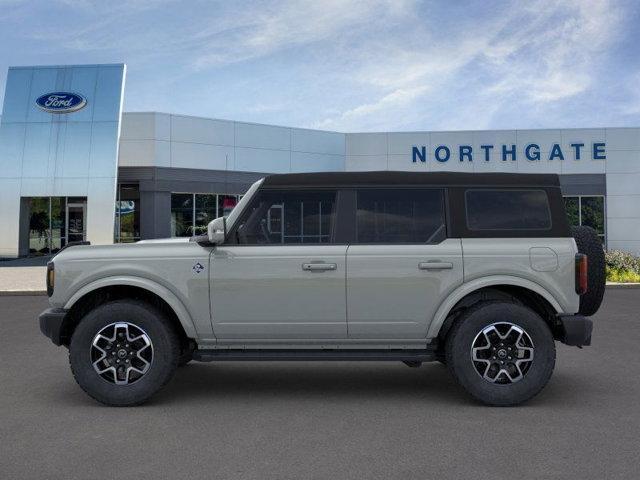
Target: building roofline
375 132
84 65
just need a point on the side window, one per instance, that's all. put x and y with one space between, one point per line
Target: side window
400 216
492 209
286 217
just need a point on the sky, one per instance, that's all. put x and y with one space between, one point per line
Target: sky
350 65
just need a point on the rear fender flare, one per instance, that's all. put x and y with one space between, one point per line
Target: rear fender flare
467 288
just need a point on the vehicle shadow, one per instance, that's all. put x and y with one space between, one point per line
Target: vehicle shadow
344 381
201 384
313 380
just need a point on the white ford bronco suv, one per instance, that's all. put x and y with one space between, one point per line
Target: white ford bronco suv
478 271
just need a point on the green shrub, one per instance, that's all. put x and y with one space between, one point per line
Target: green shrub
618 260
622 267
622 276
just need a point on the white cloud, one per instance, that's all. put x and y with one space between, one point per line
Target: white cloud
531 53
286 24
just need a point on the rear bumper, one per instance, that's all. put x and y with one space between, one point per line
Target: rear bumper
51 321
575 330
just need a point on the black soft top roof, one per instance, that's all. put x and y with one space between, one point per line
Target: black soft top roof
412 178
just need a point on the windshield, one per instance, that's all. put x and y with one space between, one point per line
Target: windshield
233 216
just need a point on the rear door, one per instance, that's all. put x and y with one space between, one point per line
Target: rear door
401 264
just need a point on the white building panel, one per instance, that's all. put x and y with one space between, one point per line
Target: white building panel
623 138
623 161
262 136
404 162
495 164
143 153
623 184
202 130
624 229
400 143
623 206
367 144
364 163
314 141
316 162
199 155
262 160
140 126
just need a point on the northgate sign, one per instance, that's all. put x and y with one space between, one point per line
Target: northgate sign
531 152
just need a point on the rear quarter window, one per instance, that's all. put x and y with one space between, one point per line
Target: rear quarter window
506 209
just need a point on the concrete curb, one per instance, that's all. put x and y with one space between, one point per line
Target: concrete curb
9 293
623 285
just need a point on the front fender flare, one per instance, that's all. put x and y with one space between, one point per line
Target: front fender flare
466 288
164 293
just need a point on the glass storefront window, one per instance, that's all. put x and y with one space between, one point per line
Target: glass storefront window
192 212
127 227
58 224
226 203
54 222
39 226
204 213
181 214
572 206
587 210
592 213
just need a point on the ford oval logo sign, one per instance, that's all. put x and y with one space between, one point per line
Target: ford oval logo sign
61 102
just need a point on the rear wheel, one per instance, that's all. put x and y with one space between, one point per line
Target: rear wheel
502 353
123 352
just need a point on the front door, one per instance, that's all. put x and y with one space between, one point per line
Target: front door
280 275
401 264
76 216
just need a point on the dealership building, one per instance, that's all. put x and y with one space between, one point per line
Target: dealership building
74 166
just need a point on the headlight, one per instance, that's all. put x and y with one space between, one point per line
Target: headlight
51 278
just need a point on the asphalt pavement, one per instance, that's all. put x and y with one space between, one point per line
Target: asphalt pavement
322 420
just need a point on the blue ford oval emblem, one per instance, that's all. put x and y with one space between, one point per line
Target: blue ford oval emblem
61 102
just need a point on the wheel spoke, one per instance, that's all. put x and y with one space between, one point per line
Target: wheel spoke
502 353
116 347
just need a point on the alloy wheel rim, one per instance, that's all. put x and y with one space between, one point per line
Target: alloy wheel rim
121 353
502 353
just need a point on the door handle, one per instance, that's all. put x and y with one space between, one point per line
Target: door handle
319 267
435 265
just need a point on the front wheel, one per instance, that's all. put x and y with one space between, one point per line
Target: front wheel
502 353
123 352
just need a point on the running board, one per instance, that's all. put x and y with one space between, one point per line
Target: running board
315 355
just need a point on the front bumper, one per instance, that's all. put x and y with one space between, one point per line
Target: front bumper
51 321
575 330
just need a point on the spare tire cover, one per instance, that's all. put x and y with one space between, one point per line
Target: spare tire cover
590 244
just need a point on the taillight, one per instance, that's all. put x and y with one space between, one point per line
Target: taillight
581 273
51 278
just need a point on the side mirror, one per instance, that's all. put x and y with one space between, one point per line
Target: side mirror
217 230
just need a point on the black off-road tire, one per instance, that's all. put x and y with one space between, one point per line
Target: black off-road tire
458 349
166 352
589 243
